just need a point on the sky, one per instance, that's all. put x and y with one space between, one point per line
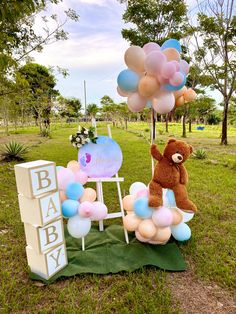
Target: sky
94 51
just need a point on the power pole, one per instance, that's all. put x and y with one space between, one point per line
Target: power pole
85 101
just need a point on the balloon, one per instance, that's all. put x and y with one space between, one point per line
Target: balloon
73 165
136 102
170 198
180 101
74 191
128 81
168 70
189 95
177 217
131 222
89 195
162 217
81 177
65 176
121 92
172 88
99 211
147 229
162 235
172 43
149 47
143 193
78 227
58 168
85 209
102 159
181 232
177 79
128 202
69 208
62 196
149 104
171 54
134 58
186 216
148 85
141 208
140 238
177 65
163 102
154 62
135 187
184 66
180 92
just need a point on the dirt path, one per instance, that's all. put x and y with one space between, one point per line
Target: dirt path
195 296
29 139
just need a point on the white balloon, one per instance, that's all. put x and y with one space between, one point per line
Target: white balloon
186 216
78 227
135 187
163 102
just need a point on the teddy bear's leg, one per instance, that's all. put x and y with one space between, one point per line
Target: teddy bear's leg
155 194
182 200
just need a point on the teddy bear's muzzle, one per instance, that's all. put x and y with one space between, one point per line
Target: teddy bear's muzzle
177 158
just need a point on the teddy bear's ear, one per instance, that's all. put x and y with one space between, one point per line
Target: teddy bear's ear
191 149
172 140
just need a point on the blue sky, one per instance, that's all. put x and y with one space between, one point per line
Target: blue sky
94 51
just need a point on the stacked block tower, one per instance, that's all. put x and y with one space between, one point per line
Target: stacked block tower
40 211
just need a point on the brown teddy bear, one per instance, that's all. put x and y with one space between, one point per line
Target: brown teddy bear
170 173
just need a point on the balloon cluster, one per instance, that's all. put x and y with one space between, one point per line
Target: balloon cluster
153 76
151 225
79 204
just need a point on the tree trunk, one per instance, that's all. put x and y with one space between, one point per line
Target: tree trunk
167 123
190 125
126 124
184 126
224 140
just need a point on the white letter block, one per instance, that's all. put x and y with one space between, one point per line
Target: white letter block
36 177
40 210
48 264
44 238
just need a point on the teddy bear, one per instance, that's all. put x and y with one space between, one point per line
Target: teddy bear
170 173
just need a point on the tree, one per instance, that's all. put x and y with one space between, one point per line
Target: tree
215 37
92 110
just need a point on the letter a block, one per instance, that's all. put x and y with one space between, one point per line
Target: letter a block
35 178
48 264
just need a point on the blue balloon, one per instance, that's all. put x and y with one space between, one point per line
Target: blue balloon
58 168
172 88
128 81
181 232
69 208
149 104
74 191
170 198
141 208
172 43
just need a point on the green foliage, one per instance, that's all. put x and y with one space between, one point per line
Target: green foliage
13 151
213 118
199 154
92 110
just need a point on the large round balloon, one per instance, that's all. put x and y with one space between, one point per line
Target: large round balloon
128 81
102 159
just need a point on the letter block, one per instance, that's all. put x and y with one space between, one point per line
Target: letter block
48 264
36 177
41 209
44 238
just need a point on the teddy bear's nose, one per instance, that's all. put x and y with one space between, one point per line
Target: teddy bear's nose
180 157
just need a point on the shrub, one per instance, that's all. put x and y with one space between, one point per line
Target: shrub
147 130
45 133
199 154
13 151
161 132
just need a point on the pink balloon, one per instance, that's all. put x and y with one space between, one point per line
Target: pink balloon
154 62
99 211
85 209
162 217
140 238
65 176
177 65
162 80
121 92
177 79
142 193
81 177
184 66
168 70
136 102
163 102
149 47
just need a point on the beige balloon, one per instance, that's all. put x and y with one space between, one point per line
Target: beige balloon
177 217
147 229
73 165
134 58
131 222
128 202
63 196
179 101
180 92
162 235
189 95
148 86
171 54
89 195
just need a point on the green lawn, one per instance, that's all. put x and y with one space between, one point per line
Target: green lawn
211 252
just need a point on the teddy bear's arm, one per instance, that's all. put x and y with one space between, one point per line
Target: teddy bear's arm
183 175
155 153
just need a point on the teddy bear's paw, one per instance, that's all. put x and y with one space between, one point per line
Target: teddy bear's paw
187 206
154 201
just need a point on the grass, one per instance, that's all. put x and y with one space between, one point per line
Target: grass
211 252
